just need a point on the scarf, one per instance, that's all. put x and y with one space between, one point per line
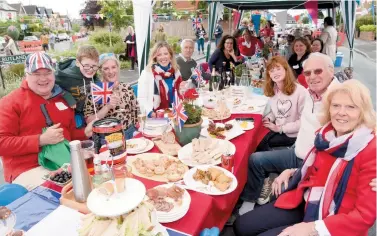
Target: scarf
325 200
161 90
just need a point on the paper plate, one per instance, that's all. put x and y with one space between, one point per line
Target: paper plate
248 125
149 146
119 203
136 144
178 211
185 153
208 189
229 134
154 132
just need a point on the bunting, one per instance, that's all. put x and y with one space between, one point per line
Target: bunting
312 8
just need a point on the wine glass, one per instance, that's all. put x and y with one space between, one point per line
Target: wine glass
228 78
142 117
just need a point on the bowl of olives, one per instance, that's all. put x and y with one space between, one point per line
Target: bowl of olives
61 176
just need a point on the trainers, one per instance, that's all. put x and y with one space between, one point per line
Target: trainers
265 193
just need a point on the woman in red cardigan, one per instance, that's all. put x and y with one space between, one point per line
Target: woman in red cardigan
330 193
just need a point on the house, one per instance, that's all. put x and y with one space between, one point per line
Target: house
42 12
49 12
31 10
7 12
19 8
65 22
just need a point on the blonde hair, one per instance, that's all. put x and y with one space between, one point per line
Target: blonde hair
153 55
87 51
245 21
131 28
359 94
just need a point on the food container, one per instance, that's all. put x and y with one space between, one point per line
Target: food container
109 132
227 162
66 168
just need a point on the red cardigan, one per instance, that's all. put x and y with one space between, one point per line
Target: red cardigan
357 212
21 124
249 51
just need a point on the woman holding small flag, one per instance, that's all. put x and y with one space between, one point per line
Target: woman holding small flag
330 193
160 80
111 98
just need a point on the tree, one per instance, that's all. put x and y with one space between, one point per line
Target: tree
305 20
320 15
92 7
202 5
119 13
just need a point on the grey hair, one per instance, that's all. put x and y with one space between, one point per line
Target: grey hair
187 41
326 59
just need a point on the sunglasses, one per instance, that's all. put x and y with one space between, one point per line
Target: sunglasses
104 55
308 73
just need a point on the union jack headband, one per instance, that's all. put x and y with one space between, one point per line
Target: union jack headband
38 60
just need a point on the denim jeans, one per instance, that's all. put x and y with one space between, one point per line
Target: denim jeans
201 44
129 133
261 164
217 41
273 140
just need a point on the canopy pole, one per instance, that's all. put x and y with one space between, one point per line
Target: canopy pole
211 26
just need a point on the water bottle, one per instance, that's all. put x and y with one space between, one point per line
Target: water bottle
80 175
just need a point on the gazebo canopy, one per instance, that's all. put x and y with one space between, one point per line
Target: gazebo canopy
274 4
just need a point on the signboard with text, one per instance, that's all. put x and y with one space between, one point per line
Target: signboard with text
15 59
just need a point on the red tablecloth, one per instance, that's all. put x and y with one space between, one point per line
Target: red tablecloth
208 211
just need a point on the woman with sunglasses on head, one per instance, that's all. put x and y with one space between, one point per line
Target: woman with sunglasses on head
301 50
227 51
160 80
122 104
286 102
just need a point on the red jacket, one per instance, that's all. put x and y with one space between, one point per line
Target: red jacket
357 212
21 124
245 51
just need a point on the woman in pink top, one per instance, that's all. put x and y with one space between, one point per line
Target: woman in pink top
287 99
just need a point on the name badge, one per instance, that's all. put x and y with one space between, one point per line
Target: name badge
295 67
61 106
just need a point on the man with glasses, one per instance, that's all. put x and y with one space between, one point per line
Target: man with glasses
22 121
75 76
319 74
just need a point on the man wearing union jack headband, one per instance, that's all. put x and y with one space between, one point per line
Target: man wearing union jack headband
22 120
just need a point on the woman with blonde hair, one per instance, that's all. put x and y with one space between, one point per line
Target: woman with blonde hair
330 193
131 50
286 101
122 104
160 80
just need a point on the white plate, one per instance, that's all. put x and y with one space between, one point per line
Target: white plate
150 145
229 134
105 156
258 102
250 125
208 189
185 153
178 211
155 132
140 144
8 224
117 204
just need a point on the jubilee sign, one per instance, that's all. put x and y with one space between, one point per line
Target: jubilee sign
15 59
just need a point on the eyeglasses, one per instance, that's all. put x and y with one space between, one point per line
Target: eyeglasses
308 73
104 55
88 67
41 74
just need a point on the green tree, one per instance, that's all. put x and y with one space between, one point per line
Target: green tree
320 15
119 13
305 20
76 27
202 5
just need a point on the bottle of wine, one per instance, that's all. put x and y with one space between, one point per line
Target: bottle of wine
212 79
222 77
232 75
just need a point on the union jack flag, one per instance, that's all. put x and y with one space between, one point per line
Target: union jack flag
196 22
179 112
101 92
198 74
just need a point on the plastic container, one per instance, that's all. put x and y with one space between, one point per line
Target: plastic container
339 59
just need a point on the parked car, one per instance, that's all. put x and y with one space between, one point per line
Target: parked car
62 37
30 38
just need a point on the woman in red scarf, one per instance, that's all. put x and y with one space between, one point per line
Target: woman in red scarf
330 193
160 80
131 47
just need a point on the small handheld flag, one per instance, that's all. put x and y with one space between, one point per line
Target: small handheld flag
179 112
101 92
198 74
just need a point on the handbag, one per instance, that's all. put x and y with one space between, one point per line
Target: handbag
53 156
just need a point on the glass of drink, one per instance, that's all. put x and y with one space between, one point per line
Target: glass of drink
142 117
88 153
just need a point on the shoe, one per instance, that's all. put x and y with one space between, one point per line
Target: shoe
265 193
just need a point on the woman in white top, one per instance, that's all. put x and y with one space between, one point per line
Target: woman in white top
10 47
329 37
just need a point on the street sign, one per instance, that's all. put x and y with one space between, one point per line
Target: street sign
15 59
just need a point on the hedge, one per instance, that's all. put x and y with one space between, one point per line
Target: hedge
368 28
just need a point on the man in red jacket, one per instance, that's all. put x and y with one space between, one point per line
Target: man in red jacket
22 121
